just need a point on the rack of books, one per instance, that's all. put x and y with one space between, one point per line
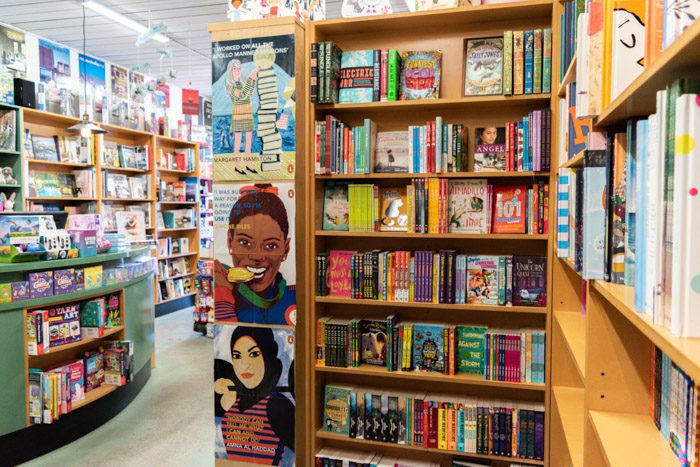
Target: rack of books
11 151
204 301
625 333
177 218
431 167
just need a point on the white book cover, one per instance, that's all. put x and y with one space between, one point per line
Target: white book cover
563 214
628 39
685 287
653 187
582 66
467 206
660 315
563 129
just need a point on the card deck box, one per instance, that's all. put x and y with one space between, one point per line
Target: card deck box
63 281
79 279
93 316
5 293
37 332
114 317
20 291
64 324
40 284
93 277
94 364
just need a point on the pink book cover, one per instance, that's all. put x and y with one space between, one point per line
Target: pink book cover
339 280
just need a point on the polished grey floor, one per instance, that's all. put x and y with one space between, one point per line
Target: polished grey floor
171 422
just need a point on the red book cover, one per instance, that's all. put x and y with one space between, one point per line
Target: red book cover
327 149
535 208
509 209
339 278
425 423
546 208
384 75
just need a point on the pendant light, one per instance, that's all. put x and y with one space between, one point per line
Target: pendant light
86 127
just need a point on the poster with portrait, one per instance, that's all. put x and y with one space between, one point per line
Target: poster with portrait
254 252
13 64
254 401
253 95
119 101
137 107
55 88
92 80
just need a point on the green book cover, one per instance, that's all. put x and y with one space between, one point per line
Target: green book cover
547 61
470 349
508 62
537 63
460 131
501 280
336 411
336 55
393 74
321 73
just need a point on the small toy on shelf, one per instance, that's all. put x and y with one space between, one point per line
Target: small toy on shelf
8 204
8 176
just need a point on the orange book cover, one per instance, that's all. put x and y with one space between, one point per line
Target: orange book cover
509 209
653 42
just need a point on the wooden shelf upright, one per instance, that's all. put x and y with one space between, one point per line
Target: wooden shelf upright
444 30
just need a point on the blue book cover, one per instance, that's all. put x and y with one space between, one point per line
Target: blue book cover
642 194
563 214
593 215
631 197
356 82
429 347
529 39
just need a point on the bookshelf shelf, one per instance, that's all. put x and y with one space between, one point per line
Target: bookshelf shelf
177 229
73 345
59 199
183 203
462 379
644 444
174 171
174 142
408 449
574 162
573 328
570 264
462 103
58 163
94 395
127 200
10 153
49 118
178 255
568 77
179 276
454 236
9 185
124 170
679 60
570 407
444 306
683 351
392 176
177 298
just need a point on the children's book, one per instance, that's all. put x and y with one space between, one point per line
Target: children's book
45 148
335 207
393 214
132 224
118 186
357 76
429 347
490 149
420 74
374 341
529 281
339 279
468 206
482 280
483 67
509 209
391 155
336 409
470 349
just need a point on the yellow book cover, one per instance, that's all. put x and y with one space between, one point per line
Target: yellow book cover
410 203
394 212
432 204
93 277
608 6
436 277
528 358
390 277
595 57
442 425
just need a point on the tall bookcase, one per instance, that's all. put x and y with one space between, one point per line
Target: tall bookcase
445 30
601 350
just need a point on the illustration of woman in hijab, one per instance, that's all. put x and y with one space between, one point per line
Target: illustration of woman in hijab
253 290
257 419
241 92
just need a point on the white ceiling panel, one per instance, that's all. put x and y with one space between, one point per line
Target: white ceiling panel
186 22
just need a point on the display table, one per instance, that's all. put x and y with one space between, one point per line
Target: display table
19 440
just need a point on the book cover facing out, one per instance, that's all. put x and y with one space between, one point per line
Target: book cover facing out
529 281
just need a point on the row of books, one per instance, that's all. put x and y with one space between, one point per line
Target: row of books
523 59
53 393
674 407
436 421
328 457
642 235
79 183
433 277
496 355
437 206
182 160
177 219
171 289
204 285
109 214
169 246
606 62
65 324
123 186
170 268
340 148
127 157
180 190
73 149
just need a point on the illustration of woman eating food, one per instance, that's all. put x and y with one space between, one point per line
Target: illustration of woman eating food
253 290
257 418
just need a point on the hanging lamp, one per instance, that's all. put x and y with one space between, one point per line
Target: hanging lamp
86 127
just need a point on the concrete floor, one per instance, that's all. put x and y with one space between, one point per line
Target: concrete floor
170 422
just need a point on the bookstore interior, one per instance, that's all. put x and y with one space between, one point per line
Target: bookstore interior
405 232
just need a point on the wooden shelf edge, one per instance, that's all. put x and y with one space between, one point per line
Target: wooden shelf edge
644 444
406 175
568 77
573 328
574 162
176 298
83 342
321 434
179 255
684 352
429 236
464 379
94 395
181 276
442 102
450 306
569 406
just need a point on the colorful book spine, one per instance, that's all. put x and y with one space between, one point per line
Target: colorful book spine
507 62
537 62
518 62
528 82
313 73
393 75
547 61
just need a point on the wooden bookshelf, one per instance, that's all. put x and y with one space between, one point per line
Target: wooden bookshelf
569 77
444 30
574 162
94 395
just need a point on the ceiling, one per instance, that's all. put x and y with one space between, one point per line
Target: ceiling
186 22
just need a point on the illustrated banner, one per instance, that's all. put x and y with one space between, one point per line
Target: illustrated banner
253 96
